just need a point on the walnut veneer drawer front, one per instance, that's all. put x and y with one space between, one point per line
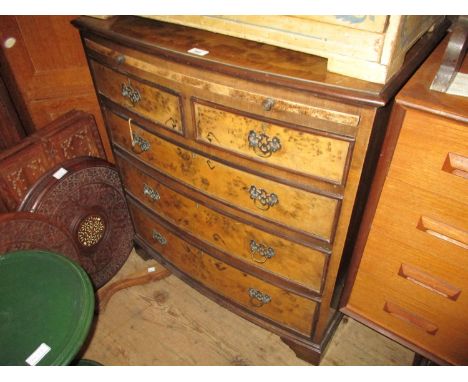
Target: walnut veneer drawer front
258 296
309 153
292 261
159 105
304 211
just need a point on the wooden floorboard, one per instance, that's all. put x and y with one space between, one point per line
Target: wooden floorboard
169 323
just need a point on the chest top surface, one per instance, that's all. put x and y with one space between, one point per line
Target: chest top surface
251 60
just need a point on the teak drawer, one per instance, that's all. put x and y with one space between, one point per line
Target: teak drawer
291 261
433 153
304 211
413 273
264 299
161 106
420 320
425 221
309 153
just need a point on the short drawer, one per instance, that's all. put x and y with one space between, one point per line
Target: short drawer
285 308
308 212
161 106
315 154
294 262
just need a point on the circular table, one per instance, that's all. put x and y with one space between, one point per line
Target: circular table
84 196
46 302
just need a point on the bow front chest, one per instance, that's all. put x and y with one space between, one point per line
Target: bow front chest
241 164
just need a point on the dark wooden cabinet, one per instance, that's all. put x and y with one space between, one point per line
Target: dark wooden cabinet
45 71
72 135
242 167
11 129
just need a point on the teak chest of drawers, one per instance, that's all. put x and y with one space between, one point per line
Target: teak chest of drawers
410 277
241 165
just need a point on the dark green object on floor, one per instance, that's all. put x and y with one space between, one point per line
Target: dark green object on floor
45 298
86 362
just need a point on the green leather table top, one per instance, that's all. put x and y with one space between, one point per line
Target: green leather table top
47 299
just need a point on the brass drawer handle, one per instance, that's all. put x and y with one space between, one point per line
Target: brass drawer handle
141 142
257 298
263 251
159 238
150 193
262 199
133 94
262 144
268 104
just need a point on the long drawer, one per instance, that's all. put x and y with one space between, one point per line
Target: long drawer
414 274
160 105
294 262
426 222
432 153
306 212
264 299
312 153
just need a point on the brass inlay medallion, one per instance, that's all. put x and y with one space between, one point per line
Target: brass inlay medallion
91 230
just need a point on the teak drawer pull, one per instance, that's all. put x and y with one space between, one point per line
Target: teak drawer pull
257 298
444 231
262 199
133 94
159 238
427 281
410 317
150 193
456 164
263 251
262 144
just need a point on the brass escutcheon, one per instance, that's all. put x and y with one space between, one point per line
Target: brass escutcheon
262 145
150 193
159 238
262 199
261 250
133 94
143 144
257 298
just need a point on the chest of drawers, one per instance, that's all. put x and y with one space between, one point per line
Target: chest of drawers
241 166
410 264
